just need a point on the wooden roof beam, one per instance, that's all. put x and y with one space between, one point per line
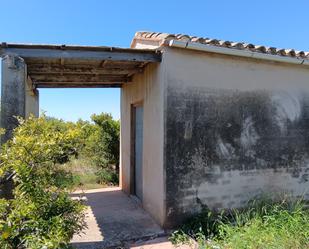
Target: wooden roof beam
78 85
79 78
35 70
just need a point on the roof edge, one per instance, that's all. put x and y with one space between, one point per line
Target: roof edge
242 49
237 52
4 45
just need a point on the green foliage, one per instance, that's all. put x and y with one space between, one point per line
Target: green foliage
106 151
179 237
102 147
41 215
106 175
205 224
273 225
263 224
84 173
99 147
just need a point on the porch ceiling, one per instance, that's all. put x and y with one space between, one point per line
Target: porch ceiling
55 66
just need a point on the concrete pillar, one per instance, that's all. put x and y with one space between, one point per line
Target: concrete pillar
17 99
32 100
14 75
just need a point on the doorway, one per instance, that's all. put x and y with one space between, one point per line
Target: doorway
137 150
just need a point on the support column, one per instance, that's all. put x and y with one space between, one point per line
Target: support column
14 76
32 100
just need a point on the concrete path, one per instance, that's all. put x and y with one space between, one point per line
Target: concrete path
160 243
113 218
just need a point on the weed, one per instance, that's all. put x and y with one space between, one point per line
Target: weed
264 223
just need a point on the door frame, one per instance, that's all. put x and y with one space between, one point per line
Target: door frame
139 103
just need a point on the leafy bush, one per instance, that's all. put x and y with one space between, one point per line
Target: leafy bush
107 176
41 215
84 173
102 147
105 149
263 224
99 147
205 224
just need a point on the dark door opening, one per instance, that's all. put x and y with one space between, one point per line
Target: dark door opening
137 153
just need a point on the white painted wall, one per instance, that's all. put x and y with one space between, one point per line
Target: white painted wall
147 87
193 69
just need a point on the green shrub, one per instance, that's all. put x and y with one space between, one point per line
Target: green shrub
103 146
272 225
41 215
99 147
206 223
264 223
107 176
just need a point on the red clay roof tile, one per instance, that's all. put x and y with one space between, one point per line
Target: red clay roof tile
164 38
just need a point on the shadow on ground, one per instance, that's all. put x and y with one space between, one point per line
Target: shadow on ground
161 243
113 218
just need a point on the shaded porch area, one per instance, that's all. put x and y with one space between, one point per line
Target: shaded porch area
113 218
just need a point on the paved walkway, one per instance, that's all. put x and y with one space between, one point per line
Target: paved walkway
112 219
160 243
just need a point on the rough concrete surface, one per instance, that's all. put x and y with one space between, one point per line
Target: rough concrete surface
160 243
225 147
234 129
113 218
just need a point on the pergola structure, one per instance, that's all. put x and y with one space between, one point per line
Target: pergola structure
25 68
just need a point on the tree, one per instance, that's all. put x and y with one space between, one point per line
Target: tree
102 146
41 215
109 133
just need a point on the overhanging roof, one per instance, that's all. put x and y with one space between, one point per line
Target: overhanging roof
229 48
61 66
165 39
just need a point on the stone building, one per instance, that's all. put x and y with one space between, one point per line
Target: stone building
203 121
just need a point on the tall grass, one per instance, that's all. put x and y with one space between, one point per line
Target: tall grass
87 175
263 224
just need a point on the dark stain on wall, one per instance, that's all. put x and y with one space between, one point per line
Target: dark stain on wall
232 129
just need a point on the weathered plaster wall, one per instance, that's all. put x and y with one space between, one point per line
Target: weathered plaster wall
31 100
14 73
15 101
234 128
146 87
17 98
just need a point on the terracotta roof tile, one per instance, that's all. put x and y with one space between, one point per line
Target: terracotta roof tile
165 37
238 45
272 50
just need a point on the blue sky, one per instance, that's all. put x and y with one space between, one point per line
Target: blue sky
113 23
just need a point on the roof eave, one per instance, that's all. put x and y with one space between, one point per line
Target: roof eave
236 52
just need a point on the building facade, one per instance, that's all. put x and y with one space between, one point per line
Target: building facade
204 122
222 123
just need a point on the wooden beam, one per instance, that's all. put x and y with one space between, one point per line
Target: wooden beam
56 69
141 67
103 63
78 85
79 78
73 54
61 61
